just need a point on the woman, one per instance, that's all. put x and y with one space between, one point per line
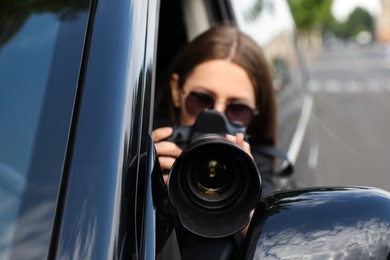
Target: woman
225 70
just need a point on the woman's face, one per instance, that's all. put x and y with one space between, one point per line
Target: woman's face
222 80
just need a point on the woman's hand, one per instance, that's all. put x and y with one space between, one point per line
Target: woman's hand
239 140
166 151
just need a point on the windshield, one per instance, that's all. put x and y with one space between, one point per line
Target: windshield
40 56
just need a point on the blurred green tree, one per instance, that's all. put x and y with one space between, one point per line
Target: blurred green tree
310 15
359 20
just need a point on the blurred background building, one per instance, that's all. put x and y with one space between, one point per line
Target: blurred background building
383 23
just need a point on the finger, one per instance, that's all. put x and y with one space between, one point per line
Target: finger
240 139
230 138
166 162
167 149
165 177
161 133
247 148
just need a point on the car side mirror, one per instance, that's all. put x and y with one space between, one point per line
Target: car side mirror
321 223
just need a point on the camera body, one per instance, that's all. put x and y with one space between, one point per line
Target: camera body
208 122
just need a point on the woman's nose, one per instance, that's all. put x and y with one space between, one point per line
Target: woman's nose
220 106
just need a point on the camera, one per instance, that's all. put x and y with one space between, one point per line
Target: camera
214 184
208 122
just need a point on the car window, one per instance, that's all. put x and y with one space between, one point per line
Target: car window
39 67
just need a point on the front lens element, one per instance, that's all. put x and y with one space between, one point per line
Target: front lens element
212 177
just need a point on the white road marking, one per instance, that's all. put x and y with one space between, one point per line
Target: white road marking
333 86
349 86
350 64
313 156
352 86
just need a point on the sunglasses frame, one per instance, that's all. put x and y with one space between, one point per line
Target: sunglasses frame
196 96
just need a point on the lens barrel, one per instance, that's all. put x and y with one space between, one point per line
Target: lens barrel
213 186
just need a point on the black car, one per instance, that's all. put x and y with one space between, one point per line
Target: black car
79 176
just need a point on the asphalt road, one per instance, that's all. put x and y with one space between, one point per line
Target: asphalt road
351 88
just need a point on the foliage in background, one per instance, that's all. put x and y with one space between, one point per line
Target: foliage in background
315 16
310 15
358 21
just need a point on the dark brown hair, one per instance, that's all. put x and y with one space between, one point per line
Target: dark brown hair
227 42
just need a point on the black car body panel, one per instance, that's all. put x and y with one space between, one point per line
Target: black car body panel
79 174
40 66
106 183
321 223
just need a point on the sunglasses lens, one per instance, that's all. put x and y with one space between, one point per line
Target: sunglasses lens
198 102
239 112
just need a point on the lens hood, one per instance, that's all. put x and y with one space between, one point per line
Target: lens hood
214 185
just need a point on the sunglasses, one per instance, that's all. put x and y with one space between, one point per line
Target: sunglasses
197 102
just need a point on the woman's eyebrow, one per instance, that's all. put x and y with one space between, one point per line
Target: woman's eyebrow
243 99
203 88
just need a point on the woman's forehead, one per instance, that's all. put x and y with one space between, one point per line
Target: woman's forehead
221 77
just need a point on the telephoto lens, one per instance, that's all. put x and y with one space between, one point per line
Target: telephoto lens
213 185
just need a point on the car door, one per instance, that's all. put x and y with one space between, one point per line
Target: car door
105 210
76 158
